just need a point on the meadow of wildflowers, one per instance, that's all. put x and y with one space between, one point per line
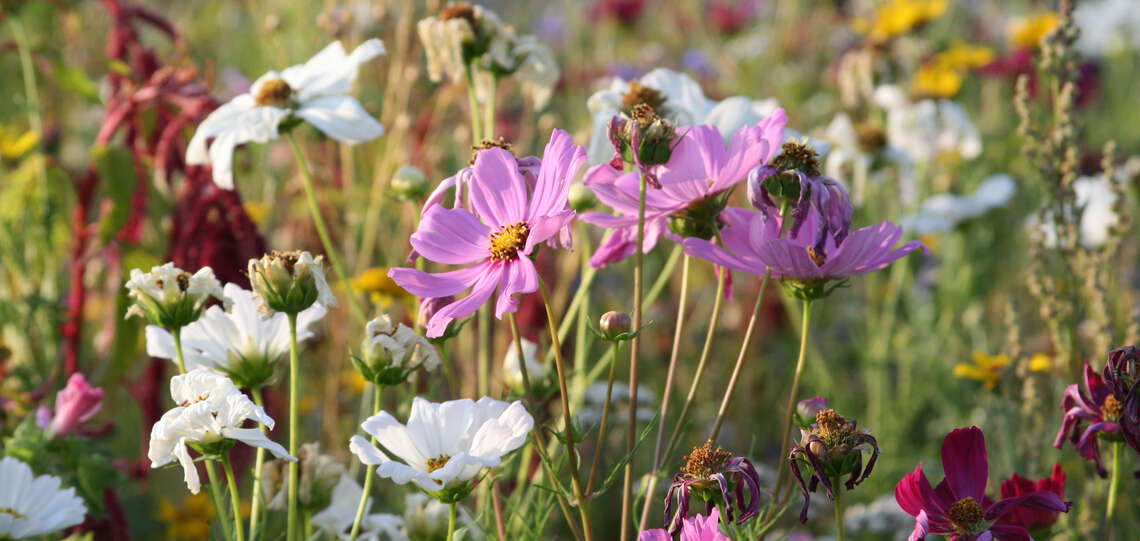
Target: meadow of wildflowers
581 269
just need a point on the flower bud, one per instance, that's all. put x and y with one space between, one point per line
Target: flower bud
536 372
289 282
582 198
806 410
76 403
319 473
615 324
392 351
409 183
170 297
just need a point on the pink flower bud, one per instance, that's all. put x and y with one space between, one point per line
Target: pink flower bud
76 403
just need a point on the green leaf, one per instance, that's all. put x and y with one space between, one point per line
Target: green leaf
613 475
117 168
72 79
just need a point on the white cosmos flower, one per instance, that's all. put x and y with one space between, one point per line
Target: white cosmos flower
444 444
925 129
944 212
685 105
851 156
315 92
426 518
278 277
1097 197
337 518
33 506
210 409
170 295
223 340
535 370
398 345
1107 27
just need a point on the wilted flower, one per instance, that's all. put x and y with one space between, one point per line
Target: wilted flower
718 478
959 506
242 343
209 417
943 212
831 449
409 183
499 236
315 487
986 368
170 297
75 404
512 374
696 528
674 96
792 181
1102 404
1034 520
314 92
289 282
444 445
391 351
694 187
35 506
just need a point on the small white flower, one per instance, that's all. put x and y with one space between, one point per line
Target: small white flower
289 282
337 518
925 129
535 370
33 506
685 105
169 296
225 340
210 409
944 212
1107 27
1096 197
314 92
397 346
444 445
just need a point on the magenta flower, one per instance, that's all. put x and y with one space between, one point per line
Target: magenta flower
499 234
1101 405
694 181
958 506
75 404
1033 519
698 528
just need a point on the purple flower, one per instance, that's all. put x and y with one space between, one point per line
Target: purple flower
794 177
698 528
1102 405
958 505
808 408
506 223
716 477
831 447
694 181
75 404
1124 377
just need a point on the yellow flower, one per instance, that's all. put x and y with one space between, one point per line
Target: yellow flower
1040 362
14 143
257 212
963 56
935 80
1026 32
383 290
191 521
931 241
353 380
897 17
986 368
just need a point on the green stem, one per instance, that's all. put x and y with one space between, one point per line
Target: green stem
489 111
235 498
1113 486
177 333
605 418
216 496
362 507
484 359
294 413
323 232
634 352
256 493
732 381
473 104
837 504
790 407
450 521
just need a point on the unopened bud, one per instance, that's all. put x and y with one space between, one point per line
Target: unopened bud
582 198
615 324
409 183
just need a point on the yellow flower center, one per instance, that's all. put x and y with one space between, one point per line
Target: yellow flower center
966 514
437 463
507 241
274 92
705 461
1111 409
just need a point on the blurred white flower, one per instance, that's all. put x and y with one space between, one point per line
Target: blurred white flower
1095 195
925 129
852 154
535 370
34 506
444 445
210 409
315 92
426 519
685 105
319 473
337 518
240 338
169 296
1107 27
881 519
595 400
388 345
944 212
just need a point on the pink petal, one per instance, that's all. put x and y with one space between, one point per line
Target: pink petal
750 147
488 279
452 236
965 463
544 227
560 163
788 260
498 192
914 495
424 284
695 160
518 276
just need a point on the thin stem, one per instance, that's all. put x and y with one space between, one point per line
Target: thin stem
838 505
732 381
323 232
1113 486
177 333
497 506
790 408
362 507
634 352
605 418
256 494
701 364
294 413
217 497
473 104
235 498
484 354
666 396
450 521
489 110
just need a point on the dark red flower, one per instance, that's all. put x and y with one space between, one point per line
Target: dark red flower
1099 406
1029 518
624 11
731 16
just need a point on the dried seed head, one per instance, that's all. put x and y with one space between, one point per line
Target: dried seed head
639 94
797 156
705 461
486 144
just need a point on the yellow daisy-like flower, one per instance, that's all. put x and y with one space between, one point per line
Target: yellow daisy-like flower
191 521
14 142
963 56
352 379
257 212
986 368
1026 32
897 17
1040 362
935 80
382 289
931 241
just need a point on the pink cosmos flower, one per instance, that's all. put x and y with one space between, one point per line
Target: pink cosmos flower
506 223
696 528
75 404
699 171
958 506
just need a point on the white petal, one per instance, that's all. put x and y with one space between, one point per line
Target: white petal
394 436
342 118
189 470
255 438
